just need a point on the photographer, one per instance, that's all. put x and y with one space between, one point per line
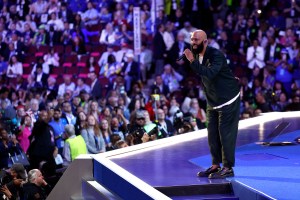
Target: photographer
136 130
12 181
182 123
177 121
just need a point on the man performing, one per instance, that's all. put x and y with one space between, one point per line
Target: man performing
223 104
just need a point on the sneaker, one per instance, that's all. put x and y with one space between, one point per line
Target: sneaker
208 171
223 173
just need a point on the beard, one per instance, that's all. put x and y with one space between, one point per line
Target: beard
199 48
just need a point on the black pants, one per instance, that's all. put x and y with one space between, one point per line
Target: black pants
222 133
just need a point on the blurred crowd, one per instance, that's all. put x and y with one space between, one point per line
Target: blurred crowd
71 82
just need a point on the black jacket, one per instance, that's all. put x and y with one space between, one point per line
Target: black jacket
44 80
166 132
159 46
31 192
96 91
134 70
278 48
157 90
219 83
41 141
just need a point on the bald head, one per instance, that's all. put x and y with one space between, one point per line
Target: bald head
199 42
199 34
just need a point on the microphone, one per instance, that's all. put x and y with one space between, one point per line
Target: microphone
180 57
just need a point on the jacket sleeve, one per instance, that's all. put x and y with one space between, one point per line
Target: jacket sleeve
67 152
214 64
89 144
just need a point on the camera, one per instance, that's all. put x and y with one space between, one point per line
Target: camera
182 122
178 114
138 131
154 131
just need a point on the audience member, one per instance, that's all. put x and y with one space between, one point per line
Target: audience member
159 49
171 78
55 22
106 134
36 185
14 68
9 146
108 35
136 129
130 71
92 136
45 67
40 78
176 51
96 88
58 124
255 55
80 122
68 85
165 126
41 146
104 57
74 145
12 181
67 113
145 60
41 37
284 71
51 59
25 132
91 15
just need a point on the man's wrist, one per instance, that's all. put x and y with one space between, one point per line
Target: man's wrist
192 60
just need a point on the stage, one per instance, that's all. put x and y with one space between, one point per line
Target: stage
270 171
167 168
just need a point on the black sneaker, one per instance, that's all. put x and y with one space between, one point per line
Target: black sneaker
223 173
208 171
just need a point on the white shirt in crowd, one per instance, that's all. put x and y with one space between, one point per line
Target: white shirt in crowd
258 60
63 88
14 70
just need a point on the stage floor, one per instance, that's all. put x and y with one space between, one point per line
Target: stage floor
261 168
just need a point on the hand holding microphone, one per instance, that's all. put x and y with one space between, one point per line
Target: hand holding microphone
187 54
180 57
